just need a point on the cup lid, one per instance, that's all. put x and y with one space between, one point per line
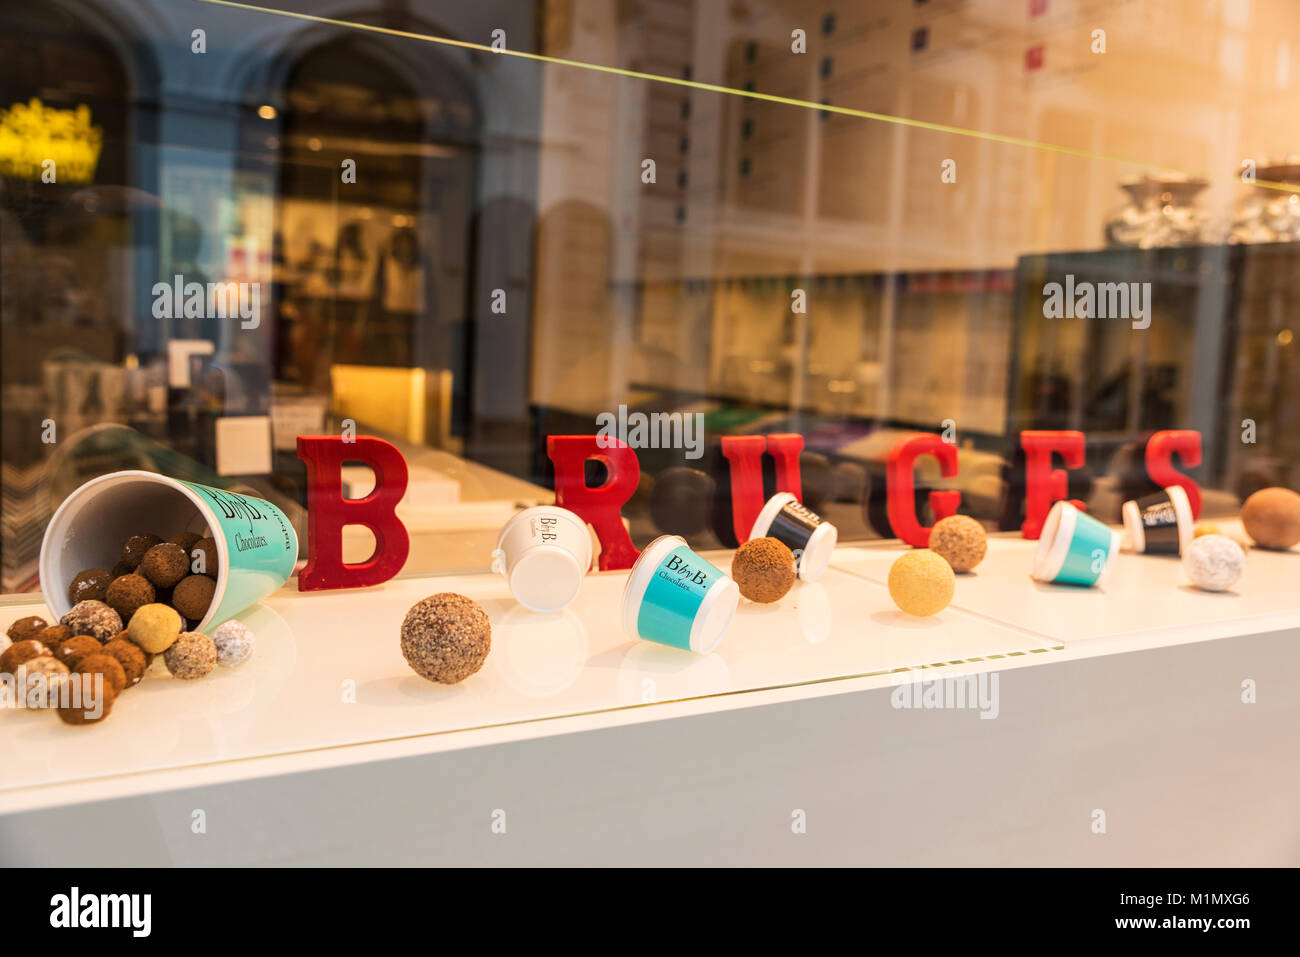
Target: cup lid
817 553
714 615
1054 541
545 578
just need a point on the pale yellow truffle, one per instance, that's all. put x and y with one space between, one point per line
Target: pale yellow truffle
155 627
921 582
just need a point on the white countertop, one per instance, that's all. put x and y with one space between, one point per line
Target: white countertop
290 707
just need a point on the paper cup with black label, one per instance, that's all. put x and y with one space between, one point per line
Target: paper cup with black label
675 597
544 552
1159 523
801 530
256 543
1074 548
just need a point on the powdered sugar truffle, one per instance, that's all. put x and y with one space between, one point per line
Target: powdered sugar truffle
234 643
1214 562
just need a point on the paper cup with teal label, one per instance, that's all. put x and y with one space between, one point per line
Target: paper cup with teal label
675 597
256 544
1074 548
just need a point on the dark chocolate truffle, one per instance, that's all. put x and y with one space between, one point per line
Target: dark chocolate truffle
164 565
203 558
129 593
25 628
73 649
193 596
134 548
764 569
187 541
106 665
192 655
20 652
130 657
90 699
90 585
120 569
446 637
93 618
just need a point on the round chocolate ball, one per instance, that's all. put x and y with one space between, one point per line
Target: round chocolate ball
155 627
186 540
93 618
192 596
25 628
1272 517
960 540
1214 562
130 657
446 637
921 582
90 584
164 565
203 558
191 656
134 548
234 644
763 568
106 665
128 593
91 699
71 650
19 653
40 681
681 501
54 636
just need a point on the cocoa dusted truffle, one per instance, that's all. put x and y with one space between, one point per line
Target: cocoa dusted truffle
25 628
960 540
155 627
106 665
446 637
191 656
193 596
120 569
40 681
164 565
764 569
134 548
19 653
54 636
90 585
128 593
90 699
76 647
132 659
187 541
93 618
203 558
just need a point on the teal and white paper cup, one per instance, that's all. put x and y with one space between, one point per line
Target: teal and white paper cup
1075 548
675 597
256 543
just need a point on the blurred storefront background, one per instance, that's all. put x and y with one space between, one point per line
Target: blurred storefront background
464 251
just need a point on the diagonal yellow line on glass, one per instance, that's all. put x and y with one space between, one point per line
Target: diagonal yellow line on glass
749 94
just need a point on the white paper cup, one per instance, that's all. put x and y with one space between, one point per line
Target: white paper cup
675 597
256 543
799 528
544 552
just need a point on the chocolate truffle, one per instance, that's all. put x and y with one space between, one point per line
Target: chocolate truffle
921 582
90 585
106 665
40 681
90 700
128 593
148 655
72 649
54 636
193 655
193 596
763 568
155 627
25 628
1272 517
960 540
1214 562
164 565
130 657
203 558
119 569
134 548
187 541
234 644
93 618
5 643
446 637
20 652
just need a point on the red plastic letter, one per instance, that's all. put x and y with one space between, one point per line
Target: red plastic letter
784 449
901 491
1045 485
597 506
1161 448
328 512
744 453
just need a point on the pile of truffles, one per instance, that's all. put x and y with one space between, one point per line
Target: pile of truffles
149 603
